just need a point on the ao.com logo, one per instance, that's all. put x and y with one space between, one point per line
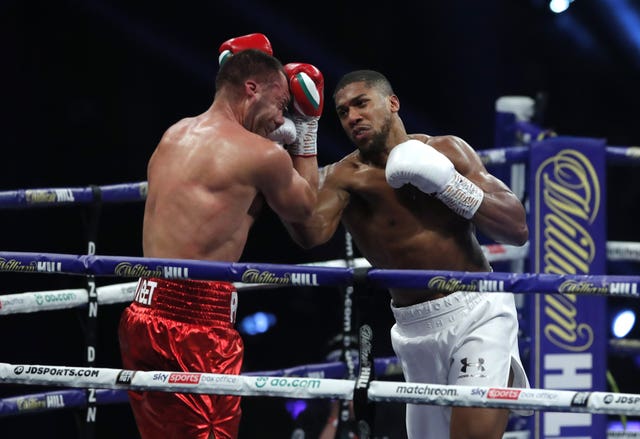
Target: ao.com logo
18 370
41 299
287 382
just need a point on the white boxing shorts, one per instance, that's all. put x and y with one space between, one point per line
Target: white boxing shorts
466 339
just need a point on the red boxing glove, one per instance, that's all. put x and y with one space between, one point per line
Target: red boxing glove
237 44
307 88
307 92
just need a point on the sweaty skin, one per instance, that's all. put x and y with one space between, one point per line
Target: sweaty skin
210 175
208 178
404 228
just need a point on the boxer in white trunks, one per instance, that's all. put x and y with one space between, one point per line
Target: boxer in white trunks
414 202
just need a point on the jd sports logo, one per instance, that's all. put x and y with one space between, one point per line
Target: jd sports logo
472 368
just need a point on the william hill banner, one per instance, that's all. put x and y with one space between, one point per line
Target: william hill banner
567 236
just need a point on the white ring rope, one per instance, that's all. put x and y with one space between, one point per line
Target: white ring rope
299 387
176 382
623 251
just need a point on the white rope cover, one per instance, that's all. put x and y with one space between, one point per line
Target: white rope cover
178 382
301 387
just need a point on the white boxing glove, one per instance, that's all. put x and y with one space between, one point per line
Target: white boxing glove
414 162
285 134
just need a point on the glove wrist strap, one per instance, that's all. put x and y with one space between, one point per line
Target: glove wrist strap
461 195
306 143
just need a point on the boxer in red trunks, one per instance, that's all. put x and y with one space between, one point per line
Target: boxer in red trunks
208 178
183 325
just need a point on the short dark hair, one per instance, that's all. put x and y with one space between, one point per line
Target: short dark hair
249 63
371 78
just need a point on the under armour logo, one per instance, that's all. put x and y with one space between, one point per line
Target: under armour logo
478 365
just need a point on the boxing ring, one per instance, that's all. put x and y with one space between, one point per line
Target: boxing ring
544 294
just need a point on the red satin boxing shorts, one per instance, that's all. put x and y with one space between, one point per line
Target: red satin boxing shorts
183 326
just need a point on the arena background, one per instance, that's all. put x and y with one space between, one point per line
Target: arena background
88 87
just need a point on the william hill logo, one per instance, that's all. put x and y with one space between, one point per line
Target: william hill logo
252 275
568 202
14 265
45 196
127 269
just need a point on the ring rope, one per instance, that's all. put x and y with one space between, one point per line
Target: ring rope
117 193
123 292
56 400
137 191
623 251
70 398
27 302
625 346
624 155
299 275
308 388
51 300
175 382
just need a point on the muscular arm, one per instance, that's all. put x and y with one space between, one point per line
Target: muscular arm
290 192
501 216
322 224
307 167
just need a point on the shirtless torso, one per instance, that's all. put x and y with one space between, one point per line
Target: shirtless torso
403 229
414 202
208 179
